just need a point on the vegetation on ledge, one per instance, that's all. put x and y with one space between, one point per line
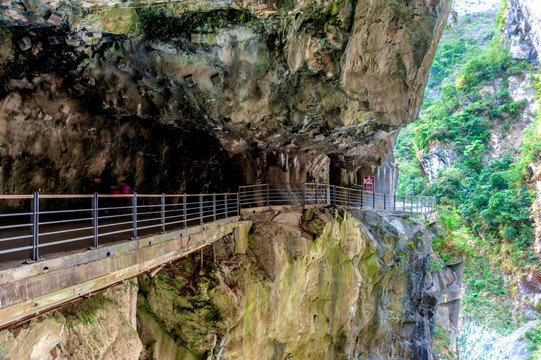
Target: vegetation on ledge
483 191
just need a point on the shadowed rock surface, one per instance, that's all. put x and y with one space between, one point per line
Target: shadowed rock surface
172 98
210 95
313 284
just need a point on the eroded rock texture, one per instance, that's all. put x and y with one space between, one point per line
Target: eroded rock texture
209 94
523 28
312 285
101 327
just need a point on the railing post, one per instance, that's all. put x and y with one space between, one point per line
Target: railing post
411 203
134 215
303 194
404 203
349 196
184 210
225 205
200 208
394 202
328 192
238 203
163 212
268 195
374 200
317 194
384 201
95 210
35 226
214 206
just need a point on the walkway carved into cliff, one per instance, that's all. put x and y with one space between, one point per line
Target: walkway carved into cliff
163 228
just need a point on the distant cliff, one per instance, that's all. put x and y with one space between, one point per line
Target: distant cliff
523 28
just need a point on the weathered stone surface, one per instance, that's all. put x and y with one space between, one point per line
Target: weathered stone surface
523 28
101 327
315 92
436 160
34 341
478 342
354 290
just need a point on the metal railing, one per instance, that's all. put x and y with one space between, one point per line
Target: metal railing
323 194
52 223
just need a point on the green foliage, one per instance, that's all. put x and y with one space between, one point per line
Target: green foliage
500 18
411 180
86 311
442 344
487 194
453 237
485 202
534 335
434 265
487 296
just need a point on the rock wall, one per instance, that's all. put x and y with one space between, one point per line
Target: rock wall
478 342
523 28
505 136
208 94
313 284
324 285
101 327
449 283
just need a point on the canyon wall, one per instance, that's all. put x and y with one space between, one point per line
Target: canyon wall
523 28
312 284
185 96
209 95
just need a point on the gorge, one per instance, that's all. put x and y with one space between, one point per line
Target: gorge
206 96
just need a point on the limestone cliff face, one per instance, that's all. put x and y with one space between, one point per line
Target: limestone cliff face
523 28
271 91
101 327
313 284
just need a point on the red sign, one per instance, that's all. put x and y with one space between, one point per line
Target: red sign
369 184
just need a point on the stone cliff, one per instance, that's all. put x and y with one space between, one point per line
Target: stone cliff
182 96
209 95
523 28
312 284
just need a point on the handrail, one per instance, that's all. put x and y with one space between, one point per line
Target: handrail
108 215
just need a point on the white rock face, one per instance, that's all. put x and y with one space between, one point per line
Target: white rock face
521 88
436 160
506 137
476 341
512 347
523 28
479 343
463 7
